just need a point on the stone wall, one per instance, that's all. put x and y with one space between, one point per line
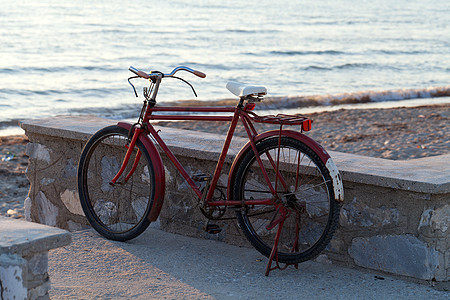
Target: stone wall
394 219
52 171
180 213
391 230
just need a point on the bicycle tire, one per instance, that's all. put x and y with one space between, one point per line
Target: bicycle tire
309 200
118 212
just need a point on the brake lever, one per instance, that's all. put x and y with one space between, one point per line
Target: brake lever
186 83
134 89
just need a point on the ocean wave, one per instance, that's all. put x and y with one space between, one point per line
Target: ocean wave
131 111
8 123
338 52
241 31
354 66
316 68
318 52
336 99
205 66
22 92
340 67
12 70
357 97
399 52
6 70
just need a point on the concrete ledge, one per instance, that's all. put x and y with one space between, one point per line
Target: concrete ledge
24 250
24 238
397 209
81 128
424 175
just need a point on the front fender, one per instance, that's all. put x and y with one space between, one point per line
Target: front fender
318 149
158 168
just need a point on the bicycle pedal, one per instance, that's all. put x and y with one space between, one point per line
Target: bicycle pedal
213 228
201 177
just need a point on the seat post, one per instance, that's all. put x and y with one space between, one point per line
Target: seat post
241 102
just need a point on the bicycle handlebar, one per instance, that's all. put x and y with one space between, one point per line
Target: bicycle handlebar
171 74
139 73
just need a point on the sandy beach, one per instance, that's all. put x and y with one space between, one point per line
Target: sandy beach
14 184
397 134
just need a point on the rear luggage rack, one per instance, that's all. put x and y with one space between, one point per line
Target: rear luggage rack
283 119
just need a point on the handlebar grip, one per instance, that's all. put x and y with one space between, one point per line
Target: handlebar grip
199 74
143 74
139 73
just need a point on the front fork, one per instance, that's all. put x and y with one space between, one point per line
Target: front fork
130 147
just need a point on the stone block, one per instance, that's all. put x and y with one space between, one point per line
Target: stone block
72 202
435 222
447 263
38 263
40 292
47 211
12 271
402 254
47 181
38 152
360 215
70 170
27 208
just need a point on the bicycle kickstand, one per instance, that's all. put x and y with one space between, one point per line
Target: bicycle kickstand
274 253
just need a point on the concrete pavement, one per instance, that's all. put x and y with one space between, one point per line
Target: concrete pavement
160 265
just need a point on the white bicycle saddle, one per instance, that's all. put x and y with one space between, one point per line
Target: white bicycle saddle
243 90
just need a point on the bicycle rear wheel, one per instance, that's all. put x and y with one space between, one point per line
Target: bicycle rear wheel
120 211
305 198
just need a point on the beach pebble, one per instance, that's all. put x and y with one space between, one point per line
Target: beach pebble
11 212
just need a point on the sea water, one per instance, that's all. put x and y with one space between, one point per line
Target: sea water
72 57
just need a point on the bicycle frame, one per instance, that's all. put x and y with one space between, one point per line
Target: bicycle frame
240 112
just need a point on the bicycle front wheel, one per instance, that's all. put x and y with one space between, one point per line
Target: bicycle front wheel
120 211
305 200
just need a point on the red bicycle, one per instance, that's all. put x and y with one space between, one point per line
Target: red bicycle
283 186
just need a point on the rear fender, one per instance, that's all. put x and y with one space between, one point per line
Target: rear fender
158 168
318 149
